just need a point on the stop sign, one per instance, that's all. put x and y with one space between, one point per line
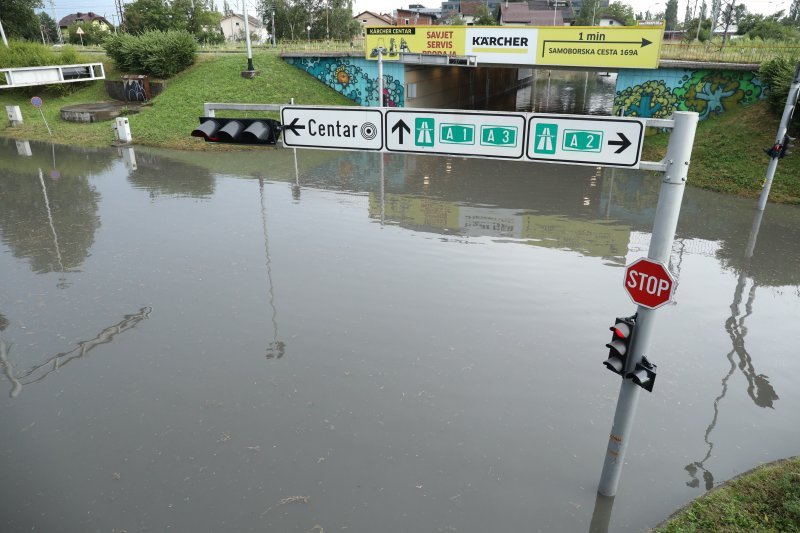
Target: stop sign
649 283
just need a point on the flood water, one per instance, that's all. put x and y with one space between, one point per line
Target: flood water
229 342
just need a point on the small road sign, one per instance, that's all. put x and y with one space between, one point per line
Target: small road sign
36 102
585 140
481 134
649 283
353 128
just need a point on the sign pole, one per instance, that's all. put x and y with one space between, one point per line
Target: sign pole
788 111
664 226
380 78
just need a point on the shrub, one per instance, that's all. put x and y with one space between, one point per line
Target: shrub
155 53
778 74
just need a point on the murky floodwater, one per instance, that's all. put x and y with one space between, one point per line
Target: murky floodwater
560 91
223 342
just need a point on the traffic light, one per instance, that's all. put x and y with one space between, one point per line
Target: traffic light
788 144
774 151
644 374
620 344
238 130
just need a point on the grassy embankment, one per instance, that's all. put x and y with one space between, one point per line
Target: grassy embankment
765 499
173 114
727 157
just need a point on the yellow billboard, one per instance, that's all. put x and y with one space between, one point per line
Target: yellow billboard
579 46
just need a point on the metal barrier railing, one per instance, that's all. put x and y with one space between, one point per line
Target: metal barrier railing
736 51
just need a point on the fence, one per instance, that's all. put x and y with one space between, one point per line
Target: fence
736 51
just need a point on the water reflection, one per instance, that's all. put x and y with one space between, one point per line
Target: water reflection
40 371
275 349
432 377
561 91
50 223
759 388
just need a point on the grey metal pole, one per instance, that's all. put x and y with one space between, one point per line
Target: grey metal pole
788 111
380 77
247 37
666 221
3 34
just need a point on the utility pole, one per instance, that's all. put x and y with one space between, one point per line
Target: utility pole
3 34
58 27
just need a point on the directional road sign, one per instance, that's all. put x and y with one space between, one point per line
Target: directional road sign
585 140
622 47
649 283
433 131
353 128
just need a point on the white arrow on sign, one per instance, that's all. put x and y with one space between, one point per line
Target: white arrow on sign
585 140
468 133
352 128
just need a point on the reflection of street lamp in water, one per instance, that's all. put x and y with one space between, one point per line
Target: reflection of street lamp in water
758 386
276 348
62 281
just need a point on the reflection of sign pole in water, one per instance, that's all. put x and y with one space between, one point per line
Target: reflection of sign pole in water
276 348
61 359
383 193
37 103
62 280
759 388
602 514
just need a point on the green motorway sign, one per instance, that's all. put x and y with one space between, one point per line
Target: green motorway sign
457 134
498 135
582 141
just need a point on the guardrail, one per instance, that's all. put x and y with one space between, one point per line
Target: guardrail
209 108
31 76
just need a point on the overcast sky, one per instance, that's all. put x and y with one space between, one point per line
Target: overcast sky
106 7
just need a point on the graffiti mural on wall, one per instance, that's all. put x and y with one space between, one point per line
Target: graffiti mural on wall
707 92
355 78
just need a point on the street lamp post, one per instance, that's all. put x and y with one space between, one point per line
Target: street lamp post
308 33
247 38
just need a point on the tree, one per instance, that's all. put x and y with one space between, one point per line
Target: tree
687 17
92 33
143 15
327 18
671 15
483 17
19 19
49 27
731 14
794 12
588 12
619 11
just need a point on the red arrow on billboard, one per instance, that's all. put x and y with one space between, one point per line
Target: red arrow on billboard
649 283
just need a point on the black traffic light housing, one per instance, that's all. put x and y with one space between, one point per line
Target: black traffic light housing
786 146
644 374
238 130
620 345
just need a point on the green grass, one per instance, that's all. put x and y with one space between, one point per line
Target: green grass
728 155
174 113
765 499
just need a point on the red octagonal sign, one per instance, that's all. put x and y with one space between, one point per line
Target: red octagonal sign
649 283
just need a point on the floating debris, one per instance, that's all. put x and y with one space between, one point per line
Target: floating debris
294 499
